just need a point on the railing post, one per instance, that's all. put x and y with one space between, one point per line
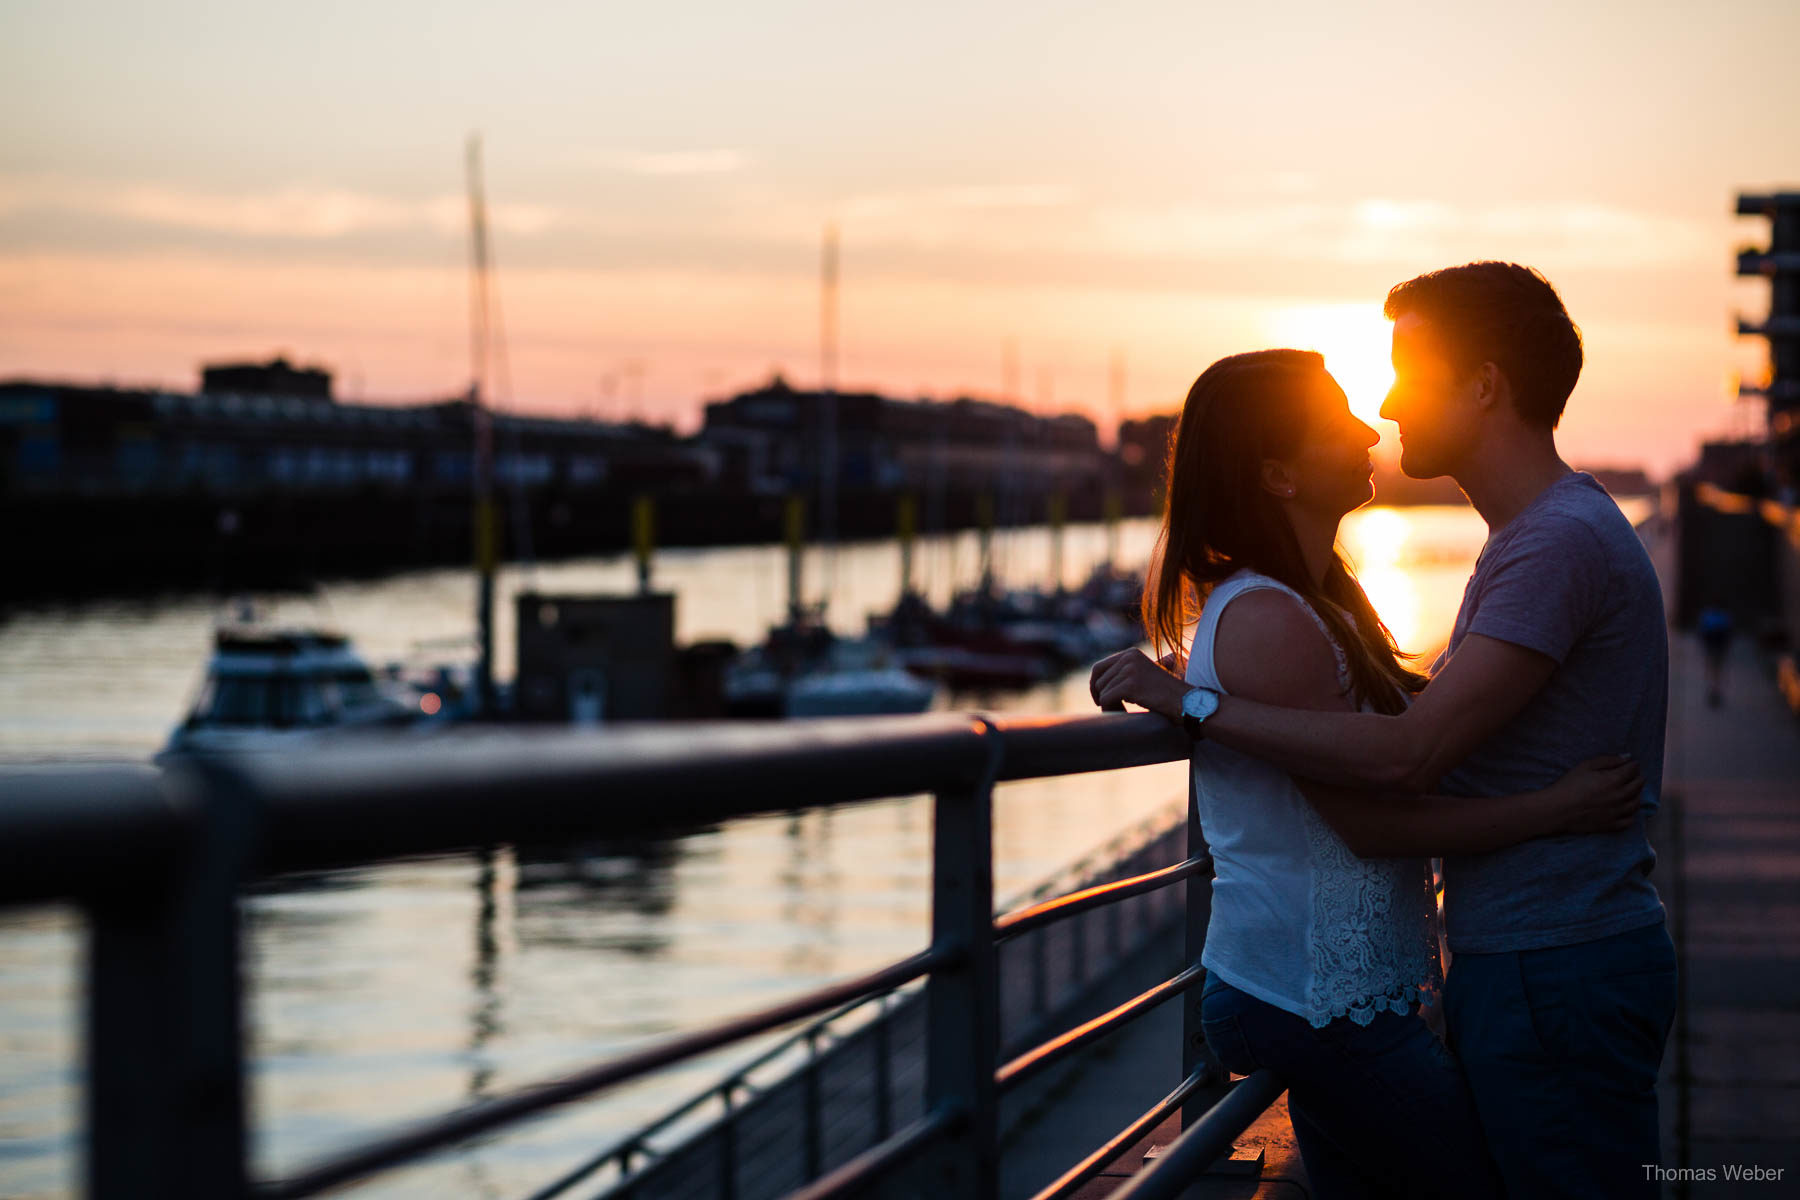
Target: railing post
815 1121
164 1041
1194 1050
962 1001
728 1159
884 1086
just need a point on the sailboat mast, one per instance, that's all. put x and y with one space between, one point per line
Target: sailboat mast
486 532
828 450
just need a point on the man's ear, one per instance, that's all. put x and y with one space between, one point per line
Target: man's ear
1489 386
1277 480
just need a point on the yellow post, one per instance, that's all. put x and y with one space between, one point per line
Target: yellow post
984 521
1059 514
1115 510
643 537
794 521
487 536
906 523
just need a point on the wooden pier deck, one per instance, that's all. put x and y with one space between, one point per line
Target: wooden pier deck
1729 837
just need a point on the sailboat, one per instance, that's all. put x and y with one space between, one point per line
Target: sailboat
803 669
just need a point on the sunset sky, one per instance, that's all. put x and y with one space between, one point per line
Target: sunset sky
1157 183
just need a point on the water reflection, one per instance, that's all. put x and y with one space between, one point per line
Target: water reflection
485 1021
811 884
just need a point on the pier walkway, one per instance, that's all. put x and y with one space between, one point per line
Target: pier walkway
1729 837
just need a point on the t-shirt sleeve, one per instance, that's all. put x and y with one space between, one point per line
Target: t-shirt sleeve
1545 589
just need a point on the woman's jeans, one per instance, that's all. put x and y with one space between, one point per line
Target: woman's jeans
1378 1109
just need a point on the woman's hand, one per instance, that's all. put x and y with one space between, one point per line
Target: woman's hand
1131 675
1601 795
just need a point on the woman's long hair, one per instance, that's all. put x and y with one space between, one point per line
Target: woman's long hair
1219 518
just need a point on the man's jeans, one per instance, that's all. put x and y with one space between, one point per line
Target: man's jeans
1378 1109
1561 1047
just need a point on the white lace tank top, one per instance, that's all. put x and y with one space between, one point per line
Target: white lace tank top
1298 920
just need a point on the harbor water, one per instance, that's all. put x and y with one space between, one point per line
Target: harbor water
388 993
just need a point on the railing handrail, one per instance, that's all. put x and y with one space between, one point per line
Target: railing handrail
215 824
395 797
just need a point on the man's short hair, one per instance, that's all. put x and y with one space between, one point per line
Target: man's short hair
1507 315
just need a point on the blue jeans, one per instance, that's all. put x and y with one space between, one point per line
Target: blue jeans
1378 1109
1562 1047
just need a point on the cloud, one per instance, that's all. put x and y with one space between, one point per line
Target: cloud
1380 230
306 214
684 162
662 162
959 197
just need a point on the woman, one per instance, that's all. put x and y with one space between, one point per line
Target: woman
1323 940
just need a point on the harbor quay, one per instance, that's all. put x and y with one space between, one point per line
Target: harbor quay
264 477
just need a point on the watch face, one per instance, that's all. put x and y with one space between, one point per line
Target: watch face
1200 703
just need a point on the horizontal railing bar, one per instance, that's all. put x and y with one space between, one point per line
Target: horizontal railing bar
1041 1056
455 1126
737 1078
879 1160
1204 1142
1077 1175
1024 920
102 828
355 805
1037 747
366 799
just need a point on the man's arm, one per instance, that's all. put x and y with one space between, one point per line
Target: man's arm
1269 653
1484 685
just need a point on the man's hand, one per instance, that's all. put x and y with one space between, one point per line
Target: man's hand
1131 675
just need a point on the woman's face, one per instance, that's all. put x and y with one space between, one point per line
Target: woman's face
1330 472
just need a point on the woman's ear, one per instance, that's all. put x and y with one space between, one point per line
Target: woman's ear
1277 479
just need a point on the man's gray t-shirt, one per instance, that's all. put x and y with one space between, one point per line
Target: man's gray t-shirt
1568 578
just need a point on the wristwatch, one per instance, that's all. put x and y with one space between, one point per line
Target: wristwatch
1199 704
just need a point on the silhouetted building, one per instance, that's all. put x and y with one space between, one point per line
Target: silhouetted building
773 439
1780 264
277 377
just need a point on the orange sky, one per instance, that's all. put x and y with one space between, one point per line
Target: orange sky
1152 182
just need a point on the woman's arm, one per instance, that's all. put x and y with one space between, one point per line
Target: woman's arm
1270 651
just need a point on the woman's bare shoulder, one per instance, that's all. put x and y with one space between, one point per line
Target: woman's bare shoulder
1270 648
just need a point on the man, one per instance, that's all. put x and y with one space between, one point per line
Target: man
1562 988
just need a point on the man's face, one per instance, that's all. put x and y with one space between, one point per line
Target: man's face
1431 401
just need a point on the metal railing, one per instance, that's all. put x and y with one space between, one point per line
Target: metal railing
158 863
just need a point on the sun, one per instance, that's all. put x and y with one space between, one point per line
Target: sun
1354 339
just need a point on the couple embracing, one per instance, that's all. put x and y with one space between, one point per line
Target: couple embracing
1328 773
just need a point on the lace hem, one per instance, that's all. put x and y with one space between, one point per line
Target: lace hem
1364 1009
1374 943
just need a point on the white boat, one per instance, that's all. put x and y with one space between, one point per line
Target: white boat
268 688
805 671
849 690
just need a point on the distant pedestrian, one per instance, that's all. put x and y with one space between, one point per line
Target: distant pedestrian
1715 640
